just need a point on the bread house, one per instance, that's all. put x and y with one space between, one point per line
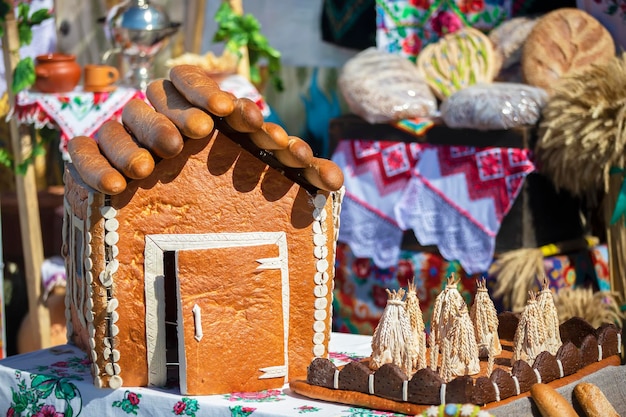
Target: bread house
214 271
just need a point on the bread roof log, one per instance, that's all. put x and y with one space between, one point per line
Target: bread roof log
180 99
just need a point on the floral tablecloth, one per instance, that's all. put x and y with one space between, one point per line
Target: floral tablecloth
75 113
454 197
57 382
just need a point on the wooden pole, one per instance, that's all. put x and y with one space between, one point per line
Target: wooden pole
26 190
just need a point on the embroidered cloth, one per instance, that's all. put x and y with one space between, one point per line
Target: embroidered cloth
406 26
77 113
454 197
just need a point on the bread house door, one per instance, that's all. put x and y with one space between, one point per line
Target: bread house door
232 314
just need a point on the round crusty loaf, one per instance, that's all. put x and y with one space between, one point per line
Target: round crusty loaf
563 42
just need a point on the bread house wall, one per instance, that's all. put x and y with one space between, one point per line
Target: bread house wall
214 186
84 251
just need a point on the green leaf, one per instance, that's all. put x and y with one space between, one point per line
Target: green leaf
65 390
23 75
5 158
43 383
39 16
25 34
23 9
69 412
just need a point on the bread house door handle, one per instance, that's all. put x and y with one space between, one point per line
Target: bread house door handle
197 320
273 372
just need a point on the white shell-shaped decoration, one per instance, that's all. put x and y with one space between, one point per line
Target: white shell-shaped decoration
320 214
89 316
88 264
97 381
94 357
320 315
319 239
111 225
321 303
320 252
111 238
320 291
318 338
114 330
112 305
319 201
319 326
115 251
106 353
92 343
321 278
89 303
321 265
116 355
115 316
108 212
115 382
107 342
105 279
89 277
318 350
317 227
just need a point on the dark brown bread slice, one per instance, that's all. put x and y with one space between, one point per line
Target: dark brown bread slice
460 390
525 375
507 325
570 357
484 391
547 366
589 350
575 330
388 381
354 377
321 372
425 387
607 335
505 383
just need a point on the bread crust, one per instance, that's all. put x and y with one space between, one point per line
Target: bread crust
153 130
593 401
563 42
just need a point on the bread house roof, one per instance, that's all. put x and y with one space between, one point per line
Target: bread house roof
184 109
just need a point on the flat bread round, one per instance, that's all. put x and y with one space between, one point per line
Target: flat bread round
457 60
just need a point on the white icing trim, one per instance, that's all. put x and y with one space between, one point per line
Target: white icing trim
599 352
197 322
336 379
155 246
497 389
370 383
405 390
516 384
538 375
561 372
273 372
442 394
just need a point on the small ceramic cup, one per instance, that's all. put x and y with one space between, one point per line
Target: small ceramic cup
99 78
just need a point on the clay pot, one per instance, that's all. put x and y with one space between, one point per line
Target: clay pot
56 73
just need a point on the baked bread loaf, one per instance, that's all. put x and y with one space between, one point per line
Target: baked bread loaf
563 42
458 60
593 401
550 403
494 106
382 87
